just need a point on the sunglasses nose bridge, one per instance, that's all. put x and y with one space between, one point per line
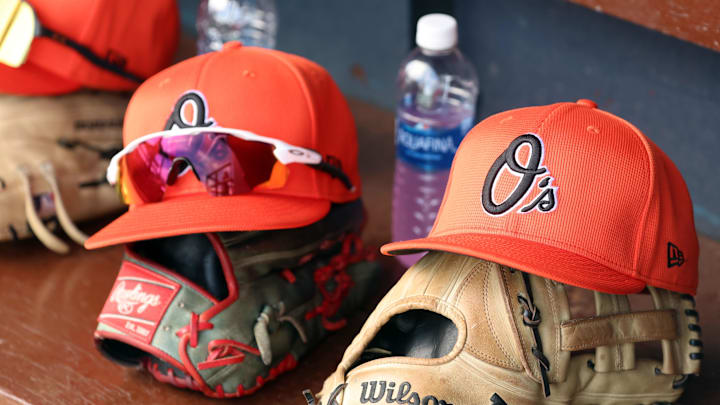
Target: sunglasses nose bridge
178 166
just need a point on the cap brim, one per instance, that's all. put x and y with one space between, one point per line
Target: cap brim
31 80
202 213
532 257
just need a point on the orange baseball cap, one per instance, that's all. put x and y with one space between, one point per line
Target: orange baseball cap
138 36
267 92
571 193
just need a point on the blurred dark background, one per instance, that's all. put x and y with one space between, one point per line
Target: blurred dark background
531 52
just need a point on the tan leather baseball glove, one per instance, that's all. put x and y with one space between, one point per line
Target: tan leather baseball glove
464 331
53 156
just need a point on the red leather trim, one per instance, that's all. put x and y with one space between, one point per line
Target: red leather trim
211 312
229 279
182 349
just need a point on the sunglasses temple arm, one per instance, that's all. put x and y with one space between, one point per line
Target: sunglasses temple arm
334 172
88 54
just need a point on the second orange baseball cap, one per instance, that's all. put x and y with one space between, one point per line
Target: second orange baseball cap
137 36
571 193
266 92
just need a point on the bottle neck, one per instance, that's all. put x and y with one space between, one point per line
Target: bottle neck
433 52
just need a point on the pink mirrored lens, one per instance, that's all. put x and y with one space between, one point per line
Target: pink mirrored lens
225 164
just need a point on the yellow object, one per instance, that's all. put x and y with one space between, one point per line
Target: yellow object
18 26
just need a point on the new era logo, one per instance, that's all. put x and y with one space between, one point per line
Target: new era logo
675 255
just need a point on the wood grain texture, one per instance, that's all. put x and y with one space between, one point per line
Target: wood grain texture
49 305
696 21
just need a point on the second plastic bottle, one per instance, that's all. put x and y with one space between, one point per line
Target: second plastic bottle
252 22
436 93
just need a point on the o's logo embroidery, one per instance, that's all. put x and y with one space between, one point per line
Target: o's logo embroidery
545 202
190 111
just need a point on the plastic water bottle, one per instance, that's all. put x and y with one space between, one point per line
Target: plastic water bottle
437 90
253 22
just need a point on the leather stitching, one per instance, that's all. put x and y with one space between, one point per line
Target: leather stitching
473 350
455 288
486 280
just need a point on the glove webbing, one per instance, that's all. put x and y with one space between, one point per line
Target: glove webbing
531 318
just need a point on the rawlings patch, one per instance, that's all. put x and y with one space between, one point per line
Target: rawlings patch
138 301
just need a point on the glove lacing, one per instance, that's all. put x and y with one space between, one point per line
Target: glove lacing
352 252
531 318
694 327
310 398
36 224
262 336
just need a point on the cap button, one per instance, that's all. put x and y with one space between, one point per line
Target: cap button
231 45
587 103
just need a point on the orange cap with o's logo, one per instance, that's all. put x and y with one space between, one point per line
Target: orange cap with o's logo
267 92
139 36
571 193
